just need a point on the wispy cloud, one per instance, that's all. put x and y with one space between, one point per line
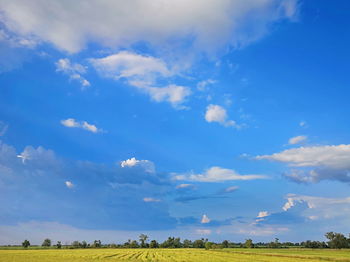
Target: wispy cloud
72 123
73 70
217 174
297 140
143 72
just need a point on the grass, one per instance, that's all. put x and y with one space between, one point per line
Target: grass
176 255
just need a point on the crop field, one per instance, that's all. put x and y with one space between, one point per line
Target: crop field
176 255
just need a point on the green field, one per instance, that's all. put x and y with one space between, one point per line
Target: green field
178 255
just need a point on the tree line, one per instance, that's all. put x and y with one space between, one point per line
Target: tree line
335 241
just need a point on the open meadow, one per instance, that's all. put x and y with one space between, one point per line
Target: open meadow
178 255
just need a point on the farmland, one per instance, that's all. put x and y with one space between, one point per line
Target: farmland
176 255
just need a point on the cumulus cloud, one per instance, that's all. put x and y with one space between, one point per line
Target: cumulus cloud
73 70
216 113
205 219
218 174
147 165
72 123
328 162
69 184
142 72
206 25
297 140
318 207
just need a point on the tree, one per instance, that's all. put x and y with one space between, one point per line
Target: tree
97 244
58 245
46 243
208 245
225 244
187 243
200 243
153 244
275 244
143 238
76 244
84 244
248 243
25 243
337 240
134 244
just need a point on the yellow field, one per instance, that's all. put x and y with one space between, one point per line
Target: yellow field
176 255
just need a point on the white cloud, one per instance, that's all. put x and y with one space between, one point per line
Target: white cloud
263 214
173 94
211 24
333 156
201 86
303 124
128 65
144 73
297 140
3 128
151 199
231 189
73 70
184 186
328 162
69 184
319 207
218 174
72 123
203 231
205 219
145 164
216 113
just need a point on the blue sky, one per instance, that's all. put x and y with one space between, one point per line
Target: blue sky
218 119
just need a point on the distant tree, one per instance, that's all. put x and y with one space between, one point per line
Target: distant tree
314 244
153 244
200 243
84 244
274 244
248 243
134 244
76 244
187 243
208 245
46 243
337 240
97 244
59 245
225 244
143 238
25 243
177 243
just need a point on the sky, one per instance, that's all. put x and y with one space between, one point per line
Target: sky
222 119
